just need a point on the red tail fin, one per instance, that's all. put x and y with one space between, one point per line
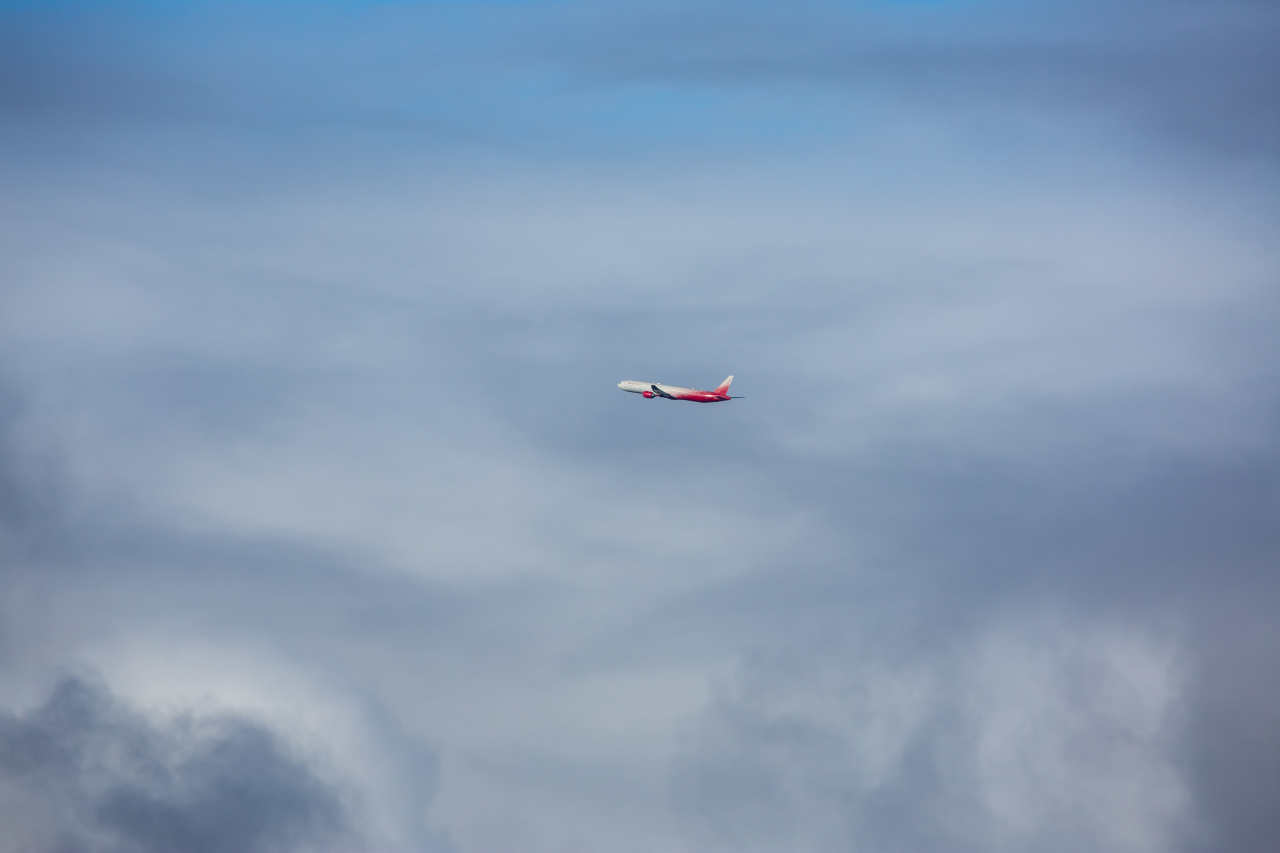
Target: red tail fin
723 390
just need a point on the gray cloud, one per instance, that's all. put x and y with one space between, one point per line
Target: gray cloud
84 772
1054 626
1201 74
322 425
1017 739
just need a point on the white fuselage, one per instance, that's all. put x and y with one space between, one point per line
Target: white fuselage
672 392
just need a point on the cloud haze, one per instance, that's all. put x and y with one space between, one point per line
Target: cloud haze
310 322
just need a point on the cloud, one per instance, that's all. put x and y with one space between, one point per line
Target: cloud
1025 737
1198 73
86 772
313 414
1201 74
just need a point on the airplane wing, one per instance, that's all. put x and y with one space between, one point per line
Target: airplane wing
660 392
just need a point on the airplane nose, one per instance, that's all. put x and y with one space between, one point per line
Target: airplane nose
620 384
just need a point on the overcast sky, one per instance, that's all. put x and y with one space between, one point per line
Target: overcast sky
323 525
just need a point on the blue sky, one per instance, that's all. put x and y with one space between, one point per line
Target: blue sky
311 320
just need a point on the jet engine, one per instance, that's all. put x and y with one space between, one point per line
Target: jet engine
648 394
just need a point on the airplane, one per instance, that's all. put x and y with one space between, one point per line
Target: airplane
673 392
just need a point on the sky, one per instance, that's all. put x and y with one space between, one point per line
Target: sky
323 526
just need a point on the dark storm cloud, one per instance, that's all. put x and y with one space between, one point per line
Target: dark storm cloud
84 772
